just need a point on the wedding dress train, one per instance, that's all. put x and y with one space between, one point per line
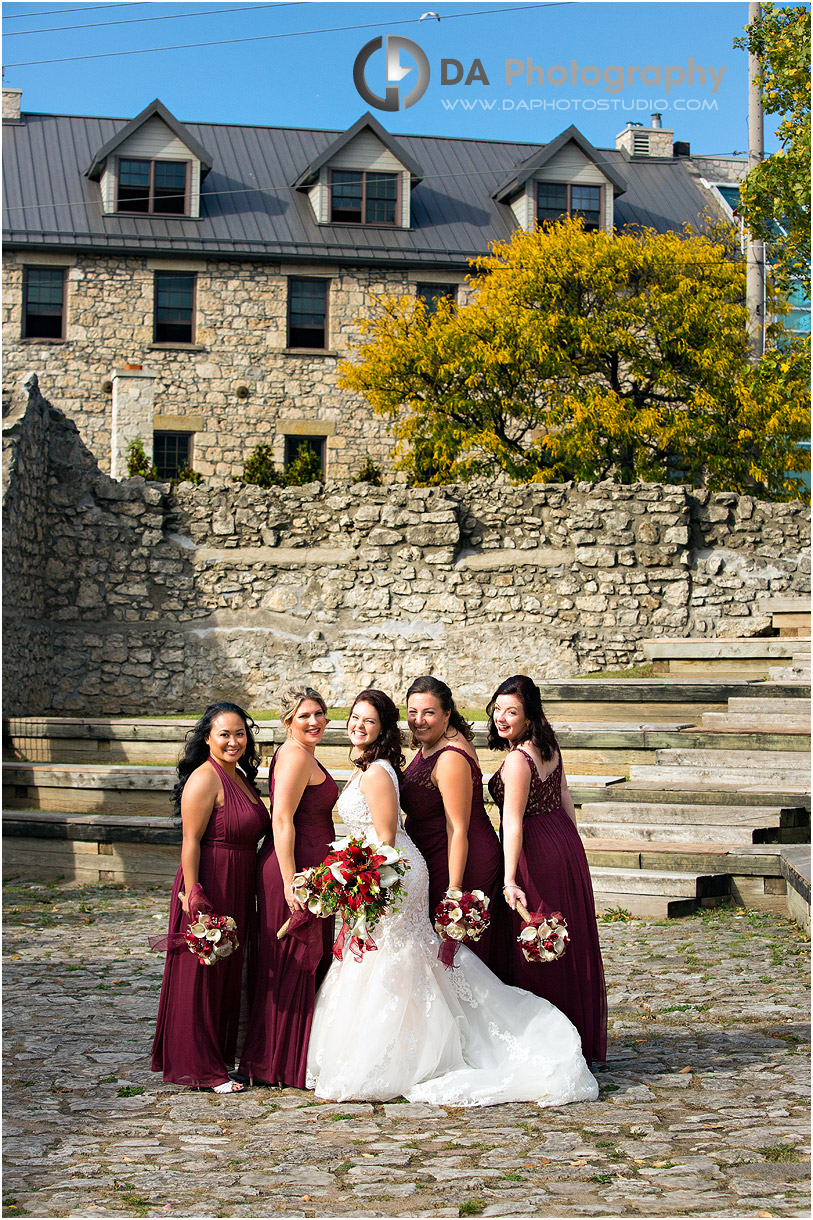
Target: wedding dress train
397 1023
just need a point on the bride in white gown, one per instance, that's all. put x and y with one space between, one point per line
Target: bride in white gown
397 1023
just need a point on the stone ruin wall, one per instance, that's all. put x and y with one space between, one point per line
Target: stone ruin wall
128 598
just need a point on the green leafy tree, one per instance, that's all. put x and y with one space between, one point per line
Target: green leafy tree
775 195
588 356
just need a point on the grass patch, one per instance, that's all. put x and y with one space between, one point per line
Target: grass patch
634 671
472 1207
616 915
780 1154
130 1090
512 1177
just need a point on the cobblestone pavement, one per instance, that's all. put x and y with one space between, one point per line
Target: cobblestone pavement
703 1108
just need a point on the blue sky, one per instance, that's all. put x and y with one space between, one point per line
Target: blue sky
294 65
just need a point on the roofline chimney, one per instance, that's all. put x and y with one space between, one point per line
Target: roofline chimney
11 105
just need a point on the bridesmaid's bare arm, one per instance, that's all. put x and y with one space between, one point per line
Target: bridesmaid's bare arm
516 776
452 777
567 799
291 775
379 793
202 792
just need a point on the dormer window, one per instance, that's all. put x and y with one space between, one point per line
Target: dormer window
153 187
363 197
556 200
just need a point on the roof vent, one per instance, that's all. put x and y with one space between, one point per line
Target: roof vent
640 144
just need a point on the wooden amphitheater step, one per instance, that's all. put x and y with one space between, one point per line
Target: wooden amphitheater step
661 892
723 658
701 824
760 716
754 769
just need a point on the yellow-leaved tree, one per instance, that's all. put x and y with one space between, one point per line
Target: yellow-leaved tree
588 356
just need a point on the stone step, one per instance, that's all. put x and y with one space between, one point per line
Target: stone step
145 791
639 814
712 835
757 722
669 779
796 672
791 759
696 649
671 884
649 792
773 706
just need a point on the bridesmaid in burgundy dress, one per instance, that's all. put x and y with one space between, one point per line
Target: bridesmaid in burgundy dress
289 971
223 821
442 797
545 861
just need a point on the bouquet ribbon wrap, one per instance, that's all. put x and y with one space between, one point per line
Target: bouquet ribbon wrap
199 904
446 954
357 946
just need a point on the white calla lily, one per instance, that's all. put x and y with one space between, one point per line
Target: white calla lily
387 876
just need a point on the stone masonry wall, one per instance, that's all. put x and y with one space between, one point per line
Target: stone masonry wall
241 335
154 601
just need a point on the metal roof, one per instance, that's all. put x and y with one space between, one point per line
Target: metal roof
250 209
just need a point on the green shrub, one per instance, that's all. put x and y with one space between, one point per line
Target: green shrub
185 474
137 461
261 471
368 472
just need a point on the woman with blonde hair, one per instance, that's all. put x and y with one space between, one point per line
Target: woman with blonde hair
287 972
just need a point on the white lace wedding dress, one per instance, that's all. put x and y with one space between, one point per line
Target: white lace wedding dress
397 1023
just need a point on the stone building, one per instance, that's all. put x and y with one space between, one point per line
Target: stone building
196 285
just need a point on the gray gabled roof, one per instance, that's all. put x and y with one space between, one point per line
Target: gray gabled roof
527 168
250 210
311 172
155 109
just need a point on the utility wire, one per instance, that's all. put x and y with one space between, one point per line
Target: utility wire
97 25
221 42
86 8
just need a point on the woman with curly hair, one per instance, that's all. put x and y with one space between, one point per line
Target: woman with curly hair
223 820
288 971
442 796
545 862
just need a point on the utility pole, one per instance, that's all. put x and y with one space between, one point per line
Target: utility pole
755 252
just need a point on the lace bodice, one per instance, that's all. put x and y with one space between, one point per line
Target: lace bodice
410 920
544 795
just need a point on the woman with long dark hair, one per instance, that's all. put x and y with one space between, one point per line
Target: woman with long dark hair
545 862
396 1022
288 971
442 796
223 820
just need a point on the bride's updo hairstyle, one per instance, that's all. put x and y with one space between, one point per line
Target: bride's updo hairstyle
196 750
389 744
428 685
538 731
291 698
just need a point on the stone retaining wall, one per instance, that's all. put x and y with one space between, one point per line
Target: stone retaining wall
130 598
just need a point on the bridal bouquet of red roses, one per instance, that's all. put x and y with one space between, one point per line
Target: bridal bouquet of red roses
460 915
359 880
211 937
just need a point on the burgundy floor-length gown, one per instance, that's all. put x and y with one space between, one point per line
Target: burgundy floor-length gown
283 987
199 1009
426 826
553 869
